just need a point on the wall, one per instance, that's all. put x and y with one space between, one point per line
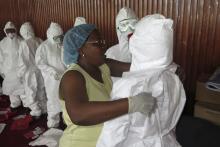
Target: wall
197 25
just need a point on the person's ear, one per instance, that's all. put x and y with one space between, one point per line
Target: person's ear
81 52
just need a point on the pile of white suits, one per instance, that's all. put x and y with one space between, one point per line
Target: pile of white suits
151 71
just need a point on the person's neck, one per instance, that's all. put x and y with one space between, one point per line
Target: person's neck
88 67
92 70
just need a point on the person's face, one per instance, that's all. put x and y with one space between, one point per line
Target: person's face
126 28
58 39
93 50
10 31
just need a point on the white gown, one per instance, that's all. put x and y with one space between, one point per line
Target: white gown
151 71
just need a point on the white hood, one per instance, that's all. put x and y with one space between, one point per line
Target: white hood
124 14
27 30
54 30
121 52
151 45
9 25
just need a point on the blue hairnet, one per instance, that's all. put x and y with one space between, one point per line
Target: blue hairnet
74 40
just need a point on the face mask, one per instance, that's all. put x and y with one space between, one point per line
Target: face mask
11 35
27 35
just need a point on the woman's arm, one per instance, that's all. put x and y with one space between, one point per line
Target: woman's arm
80 109
117 67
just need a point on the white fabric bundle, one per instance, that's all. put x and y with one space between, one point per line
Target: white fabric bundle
50 138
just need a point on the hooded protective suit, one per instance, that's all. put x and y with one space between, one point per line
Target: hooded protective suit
35 96
125 25
9 47
151 71
48 60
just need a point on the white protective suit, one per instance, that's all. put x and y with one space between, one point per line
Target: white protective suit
11 85
35 96
151 71
126 19
48 60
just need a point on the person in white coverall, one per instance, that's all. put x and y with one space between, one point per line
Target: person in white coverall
125 25
126 20
86 85
35 96
153 71
48 60
9 47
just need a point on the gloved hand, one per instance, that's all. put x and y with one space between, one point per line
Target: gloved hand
142 102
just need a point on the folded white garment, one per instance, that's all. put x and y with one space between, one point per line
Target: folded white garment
2 126
50 138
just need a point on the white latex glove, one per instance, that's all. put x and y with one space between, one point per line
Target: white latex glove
142 102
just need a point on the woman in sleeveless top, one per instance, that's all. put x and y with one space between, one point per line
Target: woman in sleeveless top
85 88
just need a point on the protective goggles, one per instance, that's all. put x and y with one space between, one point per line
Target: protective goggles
10 30
58 39
124 25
